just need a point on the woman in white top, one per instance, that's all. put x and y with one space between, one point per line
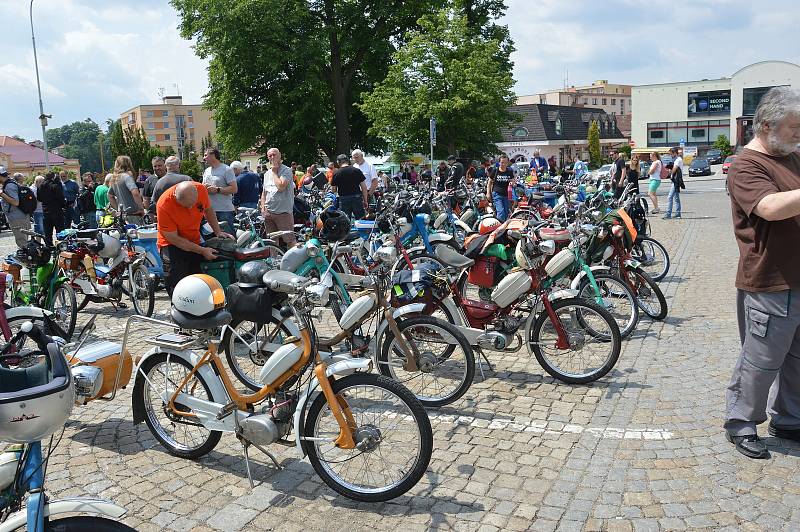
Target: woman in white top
655 179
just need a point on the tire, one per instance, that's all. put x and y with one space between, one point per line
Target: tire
450 370
337 299
649 296
86 523
325 456
65 308
653 257
143 397
245 363
593 326
141 290
618 298
416 257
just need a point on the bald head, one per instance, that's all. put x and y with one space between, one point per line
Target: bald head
186 194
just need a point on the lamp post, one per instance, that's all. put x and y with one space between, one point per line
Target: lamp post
42 117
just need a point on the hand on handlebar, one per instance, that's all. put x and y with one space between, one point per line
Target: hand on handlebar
209 253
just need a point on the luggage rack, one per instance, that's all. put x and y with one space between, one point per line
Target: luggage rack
175 340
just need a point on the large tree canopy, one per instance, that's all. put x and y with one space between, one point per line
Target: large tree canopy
449 70
81 141
290 72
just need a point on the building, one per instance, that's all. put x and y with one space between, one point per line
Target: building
171 123
695 113
558 130
18 156
613 98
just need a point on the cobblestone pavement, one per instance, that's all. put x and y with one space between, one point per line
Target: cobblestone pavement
642 449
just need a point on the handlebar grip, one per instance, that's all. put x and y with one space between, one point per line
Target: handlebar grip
285 288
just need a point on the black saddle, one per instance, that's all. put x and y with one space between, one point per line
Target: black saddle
212 320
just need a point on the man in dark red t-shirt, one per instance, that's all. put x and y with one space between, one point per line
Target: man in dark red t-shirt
764 184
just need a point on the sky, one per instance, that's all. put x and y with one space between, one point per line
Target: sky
98 58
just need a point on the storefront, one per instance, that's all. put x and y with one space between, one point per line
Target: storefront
695 113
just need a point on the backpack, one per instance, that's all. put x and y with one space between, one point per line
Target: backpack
86 201
27 199
664 171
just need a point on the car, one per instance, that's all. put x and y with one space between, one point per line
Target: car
727 163
604 172
714 156
700 166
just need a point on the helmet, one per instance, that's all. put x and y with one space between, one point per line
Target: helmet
36 400
251 273
488 224
198 295
33 254
335 225
110 246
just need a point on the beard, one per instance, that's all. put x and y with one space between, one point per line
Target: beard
778 146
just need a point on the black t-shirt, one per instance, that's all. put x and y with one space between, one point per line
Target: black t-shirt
51 196
501 180
347 181
619 164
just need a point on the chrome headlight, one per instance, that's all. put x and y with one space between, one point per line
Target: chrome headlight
548 247
312 250
387 254
132 234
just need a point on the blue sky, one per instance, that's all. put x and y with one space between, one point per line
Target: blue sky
98 58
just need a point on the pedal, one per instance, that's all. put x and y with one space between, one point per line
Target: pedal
226 411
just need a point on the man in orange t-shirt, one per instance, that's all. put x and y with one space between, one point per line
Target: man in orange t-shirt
180 211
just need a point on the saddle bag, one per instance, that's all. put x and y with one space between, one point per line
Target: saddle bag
252 304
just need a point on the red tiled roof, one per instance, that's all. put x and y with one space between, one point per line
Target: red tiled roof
20 151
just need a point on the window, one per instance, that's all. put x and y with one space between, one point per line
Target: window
191 125
149 114
604 101
594 101
189 112
151 138
697 132
621 106
613 101
151 125
164 113
166 137
585 101
166 125
656 134
520 132
558 126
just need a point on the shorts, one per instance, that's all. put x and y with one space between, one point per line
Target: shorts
654 184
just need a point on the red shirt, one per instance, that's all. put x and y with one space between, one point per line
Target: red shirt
172 216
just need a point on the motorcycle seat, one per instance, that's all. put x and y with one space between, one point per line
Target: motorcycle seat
87 234
351 237
536 197
245 255
557 235
212 320
451 257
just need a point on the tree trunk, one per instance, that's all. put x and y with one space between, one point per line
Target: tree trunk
337 79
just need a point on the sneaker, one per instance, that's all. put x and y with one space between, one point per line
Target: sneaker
784 433
677 216
751 445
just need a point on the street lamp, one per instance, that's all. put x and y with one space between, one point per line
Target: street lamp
42 117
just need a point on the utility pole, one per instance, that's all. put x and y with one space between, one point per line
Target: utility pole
42 117
102 163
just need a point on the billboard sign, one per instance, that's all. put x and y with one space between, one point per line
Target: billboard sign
709 103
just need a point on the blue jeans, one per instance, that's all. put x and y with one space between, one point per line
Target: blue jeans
502 206
69 216
38 222
230 218
352 206
674 194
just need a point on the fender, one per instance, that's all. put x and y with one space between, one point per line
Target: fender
343 367
539 308
63 506
577 280
439 237
562 294
27 312
412 308
462 225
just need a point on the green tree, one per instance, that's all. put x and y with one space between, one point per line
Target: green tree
191 168
594 145
723 144
447 70
133 143
81 141
292 72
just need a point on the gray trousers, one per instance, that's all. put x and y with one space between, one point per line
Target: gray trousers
767 375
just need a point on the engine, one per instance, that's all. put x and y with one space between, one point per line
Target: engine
273 423
507 324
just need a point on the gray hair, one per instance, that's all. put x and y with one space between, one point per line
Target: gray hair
357 153
108 178
172 159
156 159
237 164
775 105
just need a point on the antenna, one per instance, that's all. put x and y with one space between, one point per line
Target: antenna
177 89
161 93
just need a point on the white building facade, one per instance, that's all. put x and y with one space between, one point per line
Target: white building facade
695 113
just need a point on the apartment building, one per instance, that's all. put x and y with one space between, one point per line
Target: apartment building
171 123
613 98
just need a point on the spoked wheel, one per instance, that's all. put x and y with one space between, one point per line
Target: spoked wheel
581 347
393 439
446 362
141 290
653 257
65 308
86 523
416 258
177 430
248 345
649 296
616 298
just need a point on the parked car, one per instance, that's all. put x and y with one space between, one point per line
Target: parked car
727 163
700 167
714 156
604 172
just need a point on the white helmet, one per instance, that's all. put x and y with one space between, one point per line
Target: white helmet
198 295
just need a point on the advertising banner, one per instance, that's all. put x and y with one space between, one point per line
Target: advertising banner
709 103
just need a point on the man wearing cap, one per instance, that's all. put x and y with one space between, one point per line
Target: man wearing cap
17 220
350 184
248 186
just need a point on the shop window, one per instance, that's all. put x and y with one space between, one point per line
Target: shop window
656 134
698 133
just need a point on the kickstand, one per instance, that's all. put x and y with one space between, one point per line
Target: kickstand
245 444
271 456
480 363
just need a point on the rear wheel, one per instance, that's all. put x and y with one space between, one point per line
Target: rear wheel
141 290
64 307
248 345
653 257
616 298
649 296
415 258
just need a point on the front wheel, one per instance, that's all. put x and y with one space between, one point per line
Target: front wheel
64 307
649 296
393 435
616 298
653 257
580 345
141 290
86 523
445 365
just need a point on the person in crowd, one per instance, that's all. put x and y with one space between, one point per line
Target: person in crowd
552 166
159 171
350 184
370 175
101 197
538 163
764 187
38 214
579 168
413 176
631 174
676 176
277 197
180 211
617 174
655 179
51 195
331 171
454 175
469 176
480 170
497 188
9 202
85 203
248 186
426 174
71 191
123 194
170 179
220 181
